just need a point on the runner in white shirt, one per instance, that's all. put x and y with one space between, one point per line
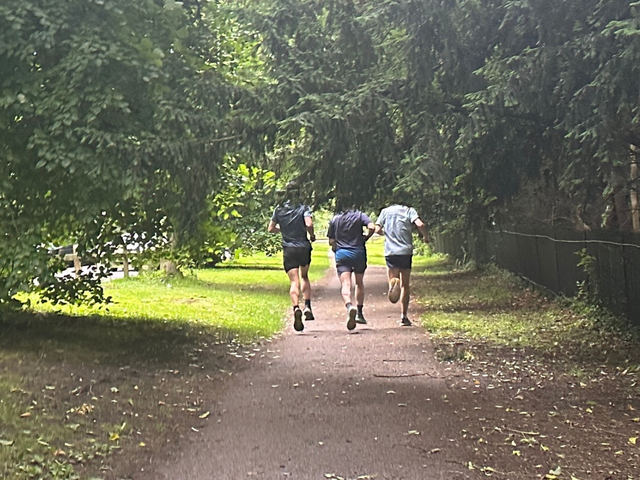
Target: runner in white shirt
396 223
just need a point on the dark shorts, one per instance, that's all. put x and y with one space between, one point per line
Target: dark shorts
352 261
403 262
294 257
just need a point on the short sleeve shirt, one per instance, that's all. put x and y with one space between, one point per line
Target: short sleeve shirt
290 218
346 229
396 222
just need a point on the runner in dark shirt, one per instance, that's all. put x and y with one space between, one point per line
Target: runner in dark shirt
295 223
347 239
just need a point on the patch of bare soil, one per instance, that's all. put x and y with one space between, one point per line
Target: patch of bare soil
524 417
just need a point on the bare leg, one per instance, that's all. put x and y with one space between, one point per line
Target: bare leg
294 290
395 285
393 273
306 284
345 290
359 288
405 282
345 286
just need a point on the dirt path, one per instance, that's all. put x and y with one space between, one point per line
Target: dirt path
328 403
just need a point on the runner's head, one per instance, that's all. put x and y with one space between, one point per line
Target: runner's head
400 196
290 193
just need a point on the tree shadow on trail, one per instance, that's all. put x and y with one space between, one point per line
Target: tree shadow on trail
154 343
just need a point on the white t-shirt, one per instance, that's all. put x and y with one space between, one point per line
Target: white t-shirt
396 221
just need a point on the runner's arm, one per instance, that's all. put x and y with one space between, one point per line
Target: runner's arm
422 229
371 228
273 227
308 221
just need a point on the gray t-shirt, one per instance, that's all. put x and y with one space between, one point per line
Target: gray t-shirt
396 221
290 218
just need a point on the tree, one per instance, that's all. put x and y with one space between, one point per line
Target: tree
329 98
115 118
478 108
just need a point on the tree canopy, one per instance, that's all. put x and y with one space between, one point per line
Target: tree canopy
477 108
115 118
161 120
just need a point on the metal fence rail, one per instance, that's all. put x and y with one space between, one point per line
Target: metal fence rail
551 256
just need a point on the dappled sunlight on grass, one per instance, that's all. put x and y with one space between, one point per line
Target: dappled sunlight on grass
495 308
499 328
489 307
247 297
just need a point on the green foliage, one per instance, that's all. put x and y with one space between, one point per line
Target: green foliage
237 216
587 289
331 96
478 109
130 122
115 120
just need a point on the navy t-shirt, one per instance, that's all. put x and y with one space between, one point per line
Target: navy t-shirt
290 218
346 229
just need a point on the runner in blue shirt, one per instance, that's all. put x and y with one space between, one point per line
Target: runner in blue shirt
347 239
294 221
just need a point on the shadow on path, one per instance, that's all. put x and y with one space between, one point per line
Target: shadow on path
329 403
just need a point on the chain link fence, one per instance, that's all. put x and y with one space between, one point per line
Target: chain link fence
603 264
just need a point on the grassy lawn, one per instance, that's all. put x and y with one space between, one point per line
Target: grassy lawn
493 308
556 383
245 298
79 384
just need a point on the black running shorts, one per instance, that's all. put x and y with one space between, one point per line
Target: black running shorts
403 262
294 257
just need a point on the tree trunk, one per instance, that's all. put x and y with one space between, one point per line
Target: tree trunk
169 266
125 266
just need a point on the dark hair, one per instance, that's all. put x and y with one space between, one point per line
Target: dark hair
344 205
291 193
401 197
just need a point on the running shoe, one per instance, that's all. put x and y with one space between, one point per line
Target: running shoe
394 290
360 319
405 322
351 318
308 314
297 320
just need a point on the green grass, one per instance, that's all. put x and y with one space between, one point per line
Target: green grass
154 324
260 261
492 308
247 297
34 442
